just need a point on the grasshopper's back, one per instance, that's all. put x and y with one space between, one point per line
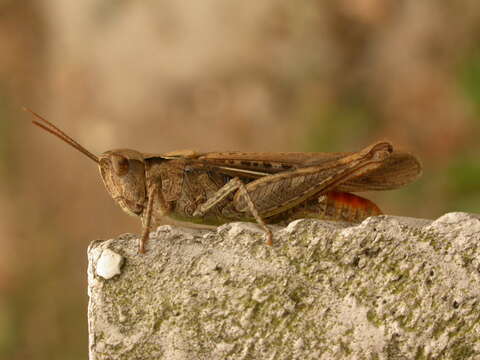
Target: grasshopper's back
399 169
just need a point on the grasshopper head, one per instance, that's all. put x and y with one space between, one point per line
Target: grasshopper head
123 173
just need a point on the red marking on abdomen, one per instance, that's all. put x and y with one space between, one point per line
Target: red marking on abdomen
333 205
336 205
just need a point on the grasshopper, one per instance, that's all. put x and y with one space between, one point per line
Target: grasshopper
217 187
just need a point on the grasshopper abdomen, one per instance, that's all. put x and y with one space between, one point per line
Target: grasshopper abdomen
343 206
334 206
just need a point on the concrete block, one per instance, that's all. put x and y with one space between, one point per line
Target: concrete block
388 288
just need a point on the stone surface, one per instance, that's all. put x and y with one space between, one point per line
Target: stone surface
389 288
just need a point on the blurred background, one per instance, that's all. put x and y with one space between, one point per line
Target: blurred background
211 75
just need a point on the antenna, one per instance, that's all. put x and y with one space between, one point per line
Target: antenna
52 129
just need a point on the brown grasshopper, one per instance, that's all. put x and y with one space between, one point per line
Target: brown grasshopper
218 187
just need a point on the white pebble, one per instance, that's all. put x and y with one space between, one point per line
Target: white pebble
109 264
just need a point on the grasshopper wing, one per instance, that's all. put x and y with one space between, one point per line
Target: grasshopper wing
399 169
255 165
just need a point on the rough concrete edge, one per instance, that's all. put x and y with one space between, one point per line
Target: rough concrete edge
344 228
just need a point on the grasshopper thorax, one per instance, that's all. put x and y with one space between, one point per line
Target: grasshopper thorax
123 173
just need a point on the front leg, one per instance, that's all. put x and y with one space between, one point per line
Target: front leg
232 186
154 193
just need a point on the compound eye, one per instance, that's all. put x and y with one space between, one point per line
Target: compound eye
120 164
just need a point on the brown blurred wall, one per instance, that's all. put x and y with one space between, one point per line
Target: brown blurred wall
212 75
